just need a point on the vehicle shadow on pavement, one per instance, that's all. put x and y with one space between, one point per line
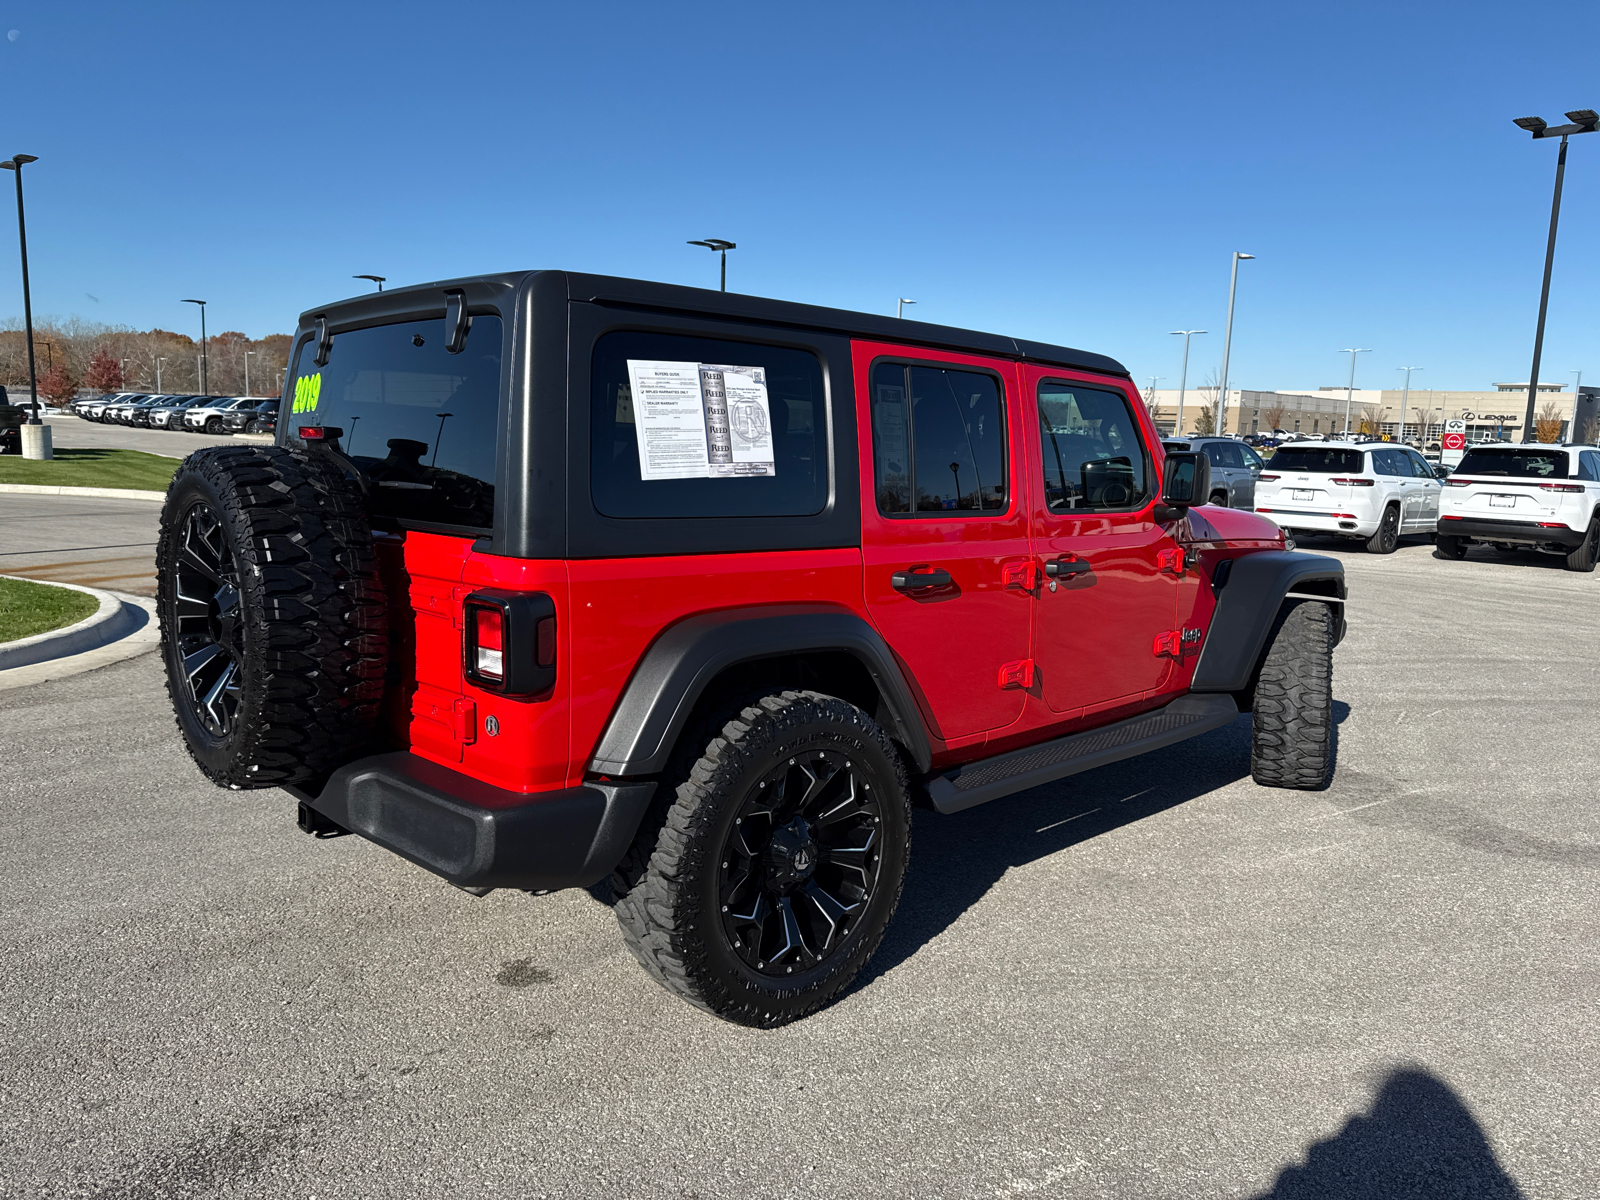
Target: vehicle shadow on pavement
1419 1139
956 859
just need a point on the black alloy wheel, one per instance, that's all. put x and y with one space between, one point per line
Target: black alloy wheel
1387 538
776 867
801 863
213 424
208 620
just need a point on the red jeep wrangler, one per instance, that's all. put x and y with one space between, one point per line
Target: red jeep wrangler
552 578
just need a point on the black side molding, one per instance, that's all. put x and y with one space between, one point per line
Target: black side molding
1256 586
687 656
991 778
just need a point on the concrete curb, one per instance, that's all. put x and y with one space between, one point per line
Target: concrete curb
141 634
112 621
39 489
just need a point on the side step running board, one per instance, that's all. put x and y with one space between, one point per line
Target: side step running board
990 778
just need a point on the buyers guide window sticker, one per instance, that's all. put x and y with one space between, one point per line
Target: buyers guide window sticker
700 420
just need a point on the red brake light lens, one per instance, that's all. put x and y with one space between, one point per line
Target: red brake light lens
1455 483
488 628
545 643
1561 487
1355 482
1266 478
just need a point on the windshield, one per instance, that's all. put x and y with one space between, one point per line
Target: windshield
1317 460
422 422
1525 462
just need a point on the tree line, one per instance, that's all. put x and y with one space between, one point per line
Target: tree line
77 354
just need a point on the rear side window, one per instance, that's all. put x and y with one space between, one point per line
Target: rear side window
1317 460
938 440
699 427
1524 462
1390 462
1223 454
1588 461
420 421
1093 458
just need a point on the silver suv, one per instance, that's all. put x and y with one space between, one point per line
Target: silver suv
1234 468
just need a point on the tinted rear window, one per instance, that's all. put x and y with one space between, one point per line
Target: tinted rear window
419 420
1523 462
729 429
1321 461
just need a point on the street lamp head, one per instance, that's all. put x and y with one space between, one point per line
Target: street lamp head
19 159
1534 125
1241 254
380 280
1585 116
194 302
1184 332
715 244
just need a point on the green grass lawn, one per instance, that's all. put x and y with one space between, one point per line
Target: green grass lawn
30 608
92 468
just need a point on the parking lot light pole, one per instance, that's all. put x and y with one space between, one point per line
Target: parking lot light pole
1183 379
247 355
380 280
159 361
721 246
1350 391
15 164
1405 400
1227 344
900 307
1584 120
205 365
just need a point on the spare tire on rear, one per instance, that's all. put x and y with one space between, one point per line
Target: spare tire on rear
273 622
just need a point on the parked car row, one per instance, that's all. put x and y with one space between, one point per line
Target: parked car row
1501 494
194 414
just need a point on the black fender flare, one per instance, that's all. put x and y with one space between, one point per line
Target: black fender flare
1250 592
688 655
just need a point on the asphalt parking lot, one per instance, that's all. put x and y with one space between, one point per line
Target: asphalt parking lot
1153 980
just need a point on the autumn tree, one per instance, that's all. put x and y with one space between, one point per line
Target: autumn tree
1547 425
1370 421
104 373
1275 416
57 385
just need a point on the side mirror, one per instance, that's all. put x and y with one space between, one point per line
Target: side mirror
1186 481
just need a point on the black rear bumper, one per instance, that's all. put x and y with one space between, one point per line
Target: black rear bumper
1511 531
480 836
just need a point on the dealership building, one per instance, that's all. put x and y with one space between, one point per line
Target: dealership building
1321 411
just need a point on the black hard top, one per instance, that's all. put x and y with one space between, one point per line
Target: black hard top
401 303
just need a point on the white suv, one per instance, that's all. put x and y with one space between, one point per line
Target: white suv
1544 497
1375 492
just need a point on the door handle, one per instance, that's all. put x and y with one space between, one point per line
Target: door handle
1058 568
921 578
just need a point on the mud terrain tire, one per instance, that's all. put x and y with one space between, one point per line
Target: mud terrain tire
1291 739
273 624
800 793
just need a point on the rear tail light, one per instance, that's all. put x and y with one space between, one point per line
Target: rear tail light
1355 482
1561 487
1456 483
1265 478
1347 516
488 638
1552 525
1448 517
510 643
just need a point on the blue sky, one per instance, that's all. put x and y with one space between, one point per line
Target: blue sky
1076 173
